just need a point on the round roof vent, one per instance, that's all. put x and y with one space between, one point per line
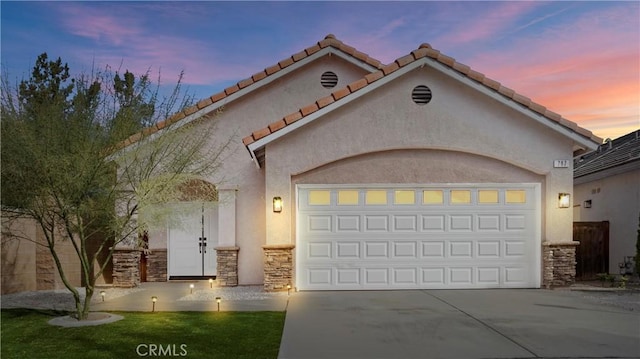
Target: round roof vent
329 79
421 95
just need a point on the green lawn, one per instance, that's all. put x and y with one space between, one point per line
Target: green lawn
26 334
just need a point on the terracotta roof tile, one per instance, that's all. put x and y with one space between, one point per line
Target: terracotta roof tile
324 43
523 100
506 91
190 110
312 50
261 133
286 62
348 49
492 84
325 101
425 50
259 76
447 60
374 76
204 103
433 53
244 83
217 97
248 140
340 93
475 75
405 60
309 109
272 69
462 68
329 40
357 85
552 115
231 89
390 68
538 108
293 117
280 124
299 56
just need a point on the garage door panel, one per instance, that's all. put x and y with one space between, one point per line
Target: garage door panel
406 241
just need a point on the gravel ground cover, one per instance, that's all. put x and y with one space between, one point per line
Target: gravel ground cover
624 299
232 293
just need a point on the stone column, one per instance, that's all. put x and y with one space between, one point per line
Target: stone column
227 266
278 266
126 267
157 265
559 261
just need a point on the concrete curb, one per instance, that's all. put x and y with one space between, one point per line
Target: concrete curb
100 318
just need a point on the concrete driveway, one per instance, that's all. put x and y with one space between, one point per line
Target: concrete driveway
456 324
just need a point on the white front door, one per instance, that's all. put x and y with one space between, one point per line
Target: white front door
193 235
418 237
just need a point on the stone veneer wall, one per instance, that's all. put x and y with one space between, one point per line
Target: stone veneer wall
227 266
559 262
126 267
157 265
278 267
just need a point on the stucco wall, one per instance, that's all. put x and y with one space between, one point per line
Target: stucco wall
457 119
240 118
615 199
27 264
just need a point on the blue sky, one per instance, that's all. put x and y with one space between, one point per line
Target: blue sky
580 59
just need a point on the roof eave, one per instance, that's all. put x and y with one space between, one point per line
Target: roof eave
581 141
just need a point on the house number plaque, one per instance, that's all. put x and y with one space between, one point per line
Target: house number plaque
561 164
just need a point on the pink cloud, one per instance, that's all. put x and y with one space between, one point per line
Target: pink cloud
488 24
588 71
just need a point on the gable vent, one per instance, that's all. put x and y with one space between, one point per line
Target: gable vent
421 95
329 79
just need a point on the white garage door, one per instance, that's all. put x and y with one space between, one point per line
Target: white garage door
431 237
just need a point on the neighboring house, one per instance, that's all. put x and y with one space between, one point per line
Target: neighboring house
351 174
607 188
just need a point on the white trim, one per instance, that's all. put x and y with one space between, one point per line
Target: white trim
436 66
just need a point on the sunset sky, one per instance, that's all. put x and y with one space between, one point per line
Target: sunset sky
580 59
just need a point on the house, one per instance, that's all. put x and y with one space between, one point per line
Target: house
351 174
607 188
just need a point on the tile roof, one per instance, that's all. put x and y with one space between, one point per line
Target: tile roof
618 152
424 51
329 41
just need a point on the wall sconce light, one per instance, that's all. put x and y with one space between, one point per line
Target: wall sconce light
564 200
191 288
210 282
154 299
102 294
587 203
218 300
277 204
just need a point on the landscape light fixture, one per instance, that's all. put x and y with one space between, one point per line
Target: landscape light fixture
191 288
564 200
210 282
102 294
154 299
218 300
277 204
